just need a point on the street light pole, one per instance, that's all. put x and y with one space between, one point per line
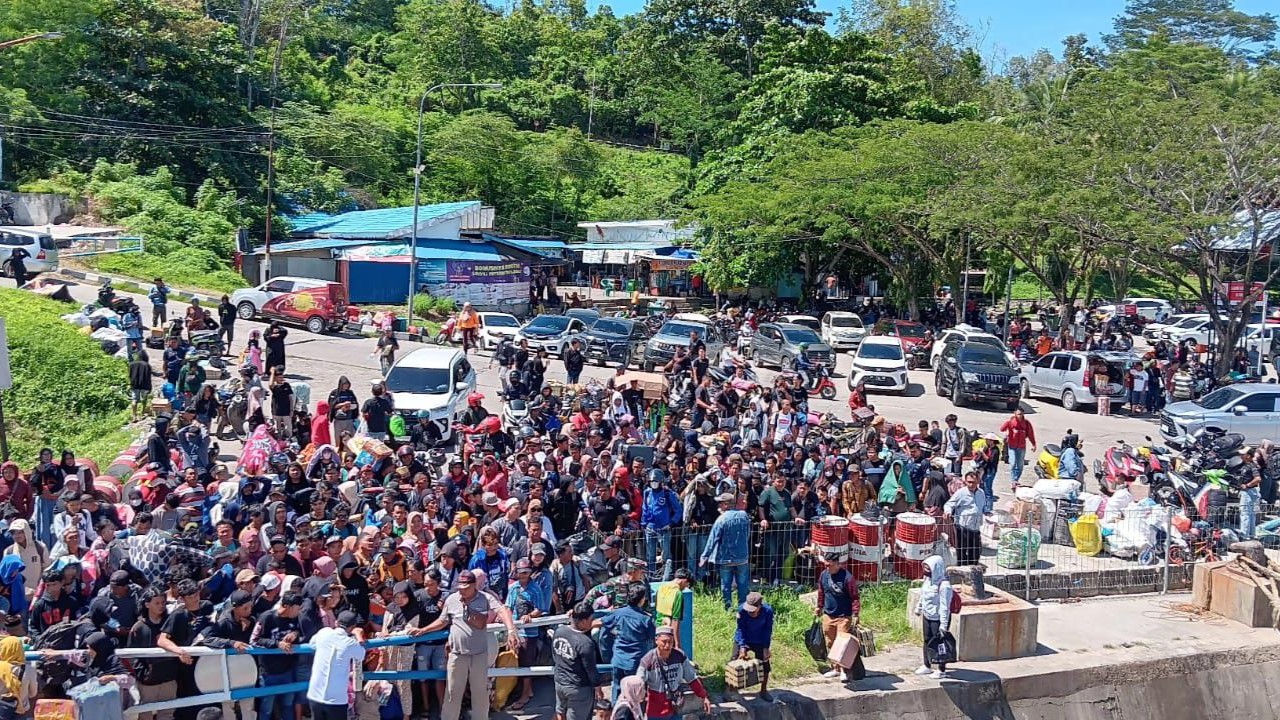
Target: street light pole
417 187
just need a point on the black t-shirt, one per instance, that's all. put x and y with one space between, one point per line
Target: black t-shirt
151 671
179 626
432 607
700 366
282 400
607 512
376 411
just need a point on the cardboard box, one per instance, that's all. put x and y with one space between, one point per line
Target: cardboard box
844 651
654 385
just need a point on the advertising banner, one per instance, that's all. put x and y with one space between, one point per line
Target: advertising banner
486 285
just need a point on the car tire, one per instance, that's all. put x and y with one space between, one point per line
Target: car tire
937 385
316 324
934 362
957 396
245 310
1026 388
1069 401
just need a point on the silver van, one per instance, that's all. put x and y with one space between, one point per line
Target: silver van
1066 376
41 248
1251 409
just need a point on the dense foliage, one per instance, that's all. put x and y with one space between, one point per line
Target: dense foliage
66 393
879 144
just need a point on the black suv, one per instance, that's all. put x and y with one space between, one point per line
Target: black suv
614 340
970 371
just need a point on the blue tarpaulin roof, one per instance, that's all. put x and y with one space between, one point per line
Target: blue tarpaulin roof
426 250
384 223
313 244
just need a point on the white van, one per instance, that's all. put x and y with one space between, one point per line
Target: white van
40 247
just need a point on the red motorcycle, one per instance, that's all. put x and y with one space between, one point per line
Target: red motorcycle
820 384
1118 464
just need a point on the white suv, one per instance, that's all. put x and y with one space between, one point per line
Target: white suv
842 330
249 301
432 379
966 333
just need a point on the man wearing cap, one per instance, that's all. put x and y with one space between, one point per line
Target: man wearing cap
527 600
467 613
233 632
337 652
509 526
391 565
755 635
279 552
125 607
728 547
575 657
613 592
266 594
838 604
665 670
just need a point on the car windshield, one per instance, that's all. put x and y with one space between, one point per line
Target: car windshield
1188 322
982 354
992 341
418 380
1220 398
911 331
552 323
845 322
501 321
799 335
876 351
807 322
682 329
611 327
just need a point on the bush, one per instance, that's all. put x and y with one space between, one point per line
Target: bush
430 307
66 392
185 268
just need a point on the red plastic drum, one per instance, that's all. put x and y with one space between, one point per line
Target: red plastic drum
914 537
866 548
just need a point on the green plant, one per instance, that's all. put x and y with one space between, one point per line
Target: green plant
431 307
189 268
883 610
66 392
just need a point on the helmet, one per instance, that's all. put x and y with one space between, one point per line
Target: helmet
491 425
423 414
656 476
474 398
278 458
527 432
804 347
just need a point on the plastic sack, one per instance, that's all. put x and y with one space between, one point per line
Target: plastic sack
504 686
815 642
1086 533
395 427
1018 547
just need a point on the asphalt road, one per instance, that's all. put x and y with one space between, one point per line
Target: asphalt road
320 359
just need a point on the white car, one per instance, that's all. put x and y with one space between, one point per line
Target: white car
551 332
42 250
967 333
494 327
435 380
879 364
1148 308
842 330
1256 338
249 301
1187 323
808 321
1151 331
1198 331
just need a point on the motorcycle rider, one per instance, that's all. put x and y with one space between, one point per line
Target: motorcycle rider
475 411
803 366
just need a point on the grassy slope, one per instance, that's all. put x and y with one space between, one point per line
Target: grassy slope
66 392
883 610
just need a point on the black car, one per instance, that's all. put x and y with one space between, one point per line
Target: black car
974 371
614 340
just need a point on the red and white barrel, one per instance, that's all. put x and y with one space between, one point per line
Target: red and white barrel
914 538
830 534
125 463
866 548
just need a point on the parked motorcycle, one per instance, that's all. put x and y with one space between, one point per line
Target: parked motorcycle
445 336
233 406
1118 464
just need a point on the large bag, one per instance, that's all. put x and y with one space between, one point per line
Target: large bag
1087 535
815 642
943 648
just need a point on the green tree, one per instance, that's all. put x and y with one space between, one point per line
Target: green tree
1216 23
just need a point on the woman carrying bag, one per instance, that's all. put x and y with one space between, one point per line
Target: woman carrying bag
935 609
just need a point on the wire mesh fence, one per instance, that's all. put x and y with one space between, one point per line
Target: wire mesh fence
1035 549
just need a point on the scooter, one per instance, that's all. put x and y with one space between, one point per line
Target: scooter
515 412
445 336
918 357
1118 464
820 384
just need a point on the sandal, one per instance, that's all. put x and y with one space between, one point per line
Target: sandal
518 705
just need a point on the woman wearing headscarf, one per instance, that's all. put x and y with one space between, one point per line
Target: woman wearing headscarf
403 616
274 340
630 703
15 490
935 610
344 408
251 546
15 700
100 663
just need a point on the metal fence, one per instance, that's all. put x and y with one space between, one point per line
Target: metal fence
1036 550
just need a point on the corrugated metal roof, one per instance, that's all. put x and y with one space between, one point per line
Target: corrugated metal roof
1239 236
427 250
314 244
625 245
376 224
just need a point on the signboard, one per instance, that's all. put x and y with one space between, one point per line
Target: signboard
6 378
487 285
1236 291
1130 310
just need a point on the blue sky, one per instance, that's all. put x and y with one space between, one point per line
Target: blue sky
1008 28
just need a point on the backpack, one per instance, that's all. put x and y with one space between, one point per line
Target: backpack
56 672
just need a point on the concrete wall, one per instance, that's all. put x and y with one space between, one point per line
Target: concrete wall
42 208
1238 684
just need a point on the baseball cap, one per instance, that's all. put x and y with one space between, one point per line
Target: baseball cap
753 603
524 564
539 549
612 542
509 503
665 630
120 578
724 498
279 540
246 576
240 597
348 619
466 578
270 582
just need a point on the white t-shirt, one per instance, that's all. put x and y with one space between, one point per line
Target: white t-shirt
1139 379
335 650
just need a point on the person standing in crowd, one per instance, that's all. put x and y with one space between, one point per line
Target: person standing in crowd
574 361
777 524
661 510
377 413
159 297
575 659
344 408
337 653
1018 436
935 609
274 340
631 630
754 634
157 677
665 671
281 403
140 373
227 323
728 548
1250 492
18 266
839 605
964 509
386 350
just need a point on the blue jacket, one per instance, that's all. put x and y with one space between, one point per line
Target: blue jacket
11 567
633 632
661 509
755 631
730 539
1069 464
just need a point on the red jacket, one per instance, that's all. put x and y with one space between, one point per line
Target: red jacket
1018 433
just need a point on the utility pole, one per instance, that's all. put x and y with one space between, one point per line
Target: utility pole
964 301
271 144
1008 296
